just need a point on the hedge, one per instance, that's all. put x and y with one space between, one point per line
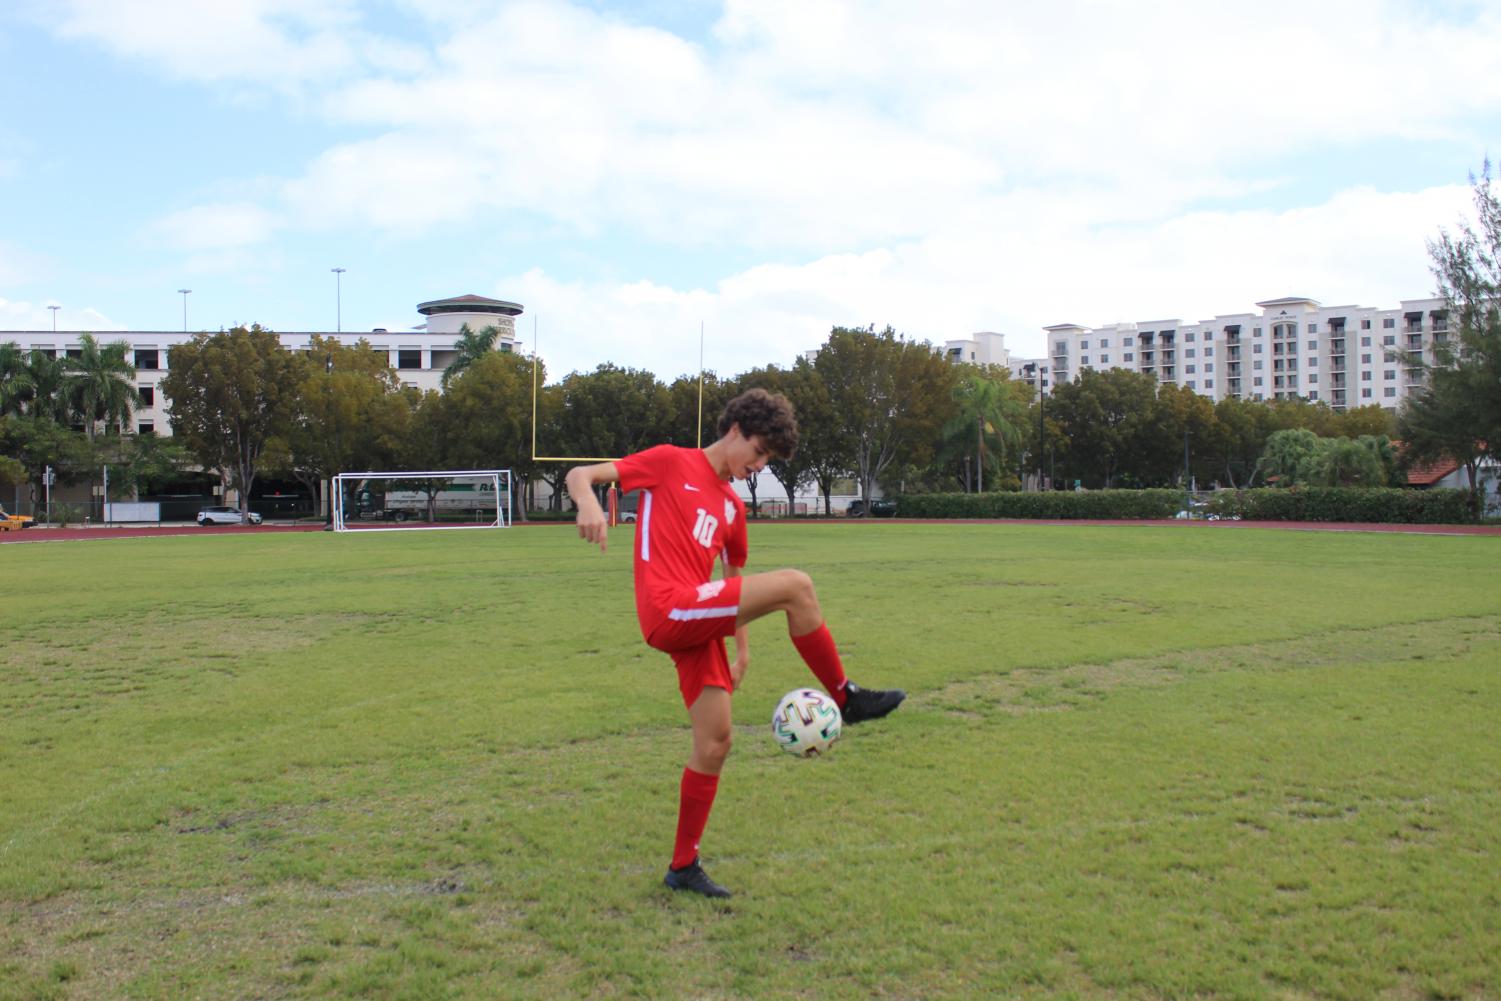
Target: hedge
1362 504
1052 504
1359 504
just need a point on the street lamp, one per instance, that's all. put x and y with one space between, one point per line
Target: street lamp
184 293
54 317
338 299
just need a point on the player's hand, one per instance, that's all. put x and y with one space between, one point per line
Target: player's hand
594 526
737 671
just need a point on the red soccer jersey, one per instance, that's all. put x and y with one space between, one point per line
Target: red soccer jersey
686 519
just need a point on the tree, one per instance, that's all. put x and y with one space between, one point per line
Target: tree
684 426
1348 462
100 384
46 394
231 393
346 414
492 402
613 412
888 396
470 348
1458 412
987 419
1291 457
15 379
1105 417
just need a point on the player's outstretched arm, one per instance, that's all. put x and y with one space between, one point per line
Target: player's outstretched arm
593 525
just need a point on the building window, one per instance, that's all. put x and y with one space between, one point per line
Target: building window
1389 392
1188 352
1365 359
1104 359
1256 364
1389 323
1256 380
408 358
1130 341
1313 361
1209 352
1060 347
148 395
1365 342
1209 368
1389 341
1365 394
1208 383
1190 384
1189 369
1314 396
1256 331
1390 373
1209 335
1104 342
1256 348
1313 328
75 352
1365 377
146 427
1130 357
1365 324
1188 336
1085 359
148 359
1313 378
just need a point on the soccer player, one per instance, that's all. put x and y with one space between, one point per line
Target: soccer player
688 517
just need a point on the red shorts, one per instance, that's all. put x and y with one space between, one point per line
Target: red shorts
692 632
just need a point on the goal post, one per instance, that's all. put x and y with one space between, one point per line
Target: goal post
444 498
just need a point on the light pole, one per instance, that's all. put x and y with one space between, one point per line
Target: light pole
1188 494
184 293
338 299
54 317
1032 368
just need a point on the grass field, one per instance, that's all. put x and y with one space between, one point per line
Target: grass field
1136 763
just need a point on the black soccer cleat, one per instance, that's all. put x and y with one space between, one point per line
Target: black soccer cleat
692 877
861 704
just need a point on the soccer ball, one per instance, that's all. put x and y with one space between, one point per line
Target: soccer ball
806 723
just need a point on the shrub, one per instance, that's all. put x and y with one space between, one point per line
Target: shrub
1358 504
1052 504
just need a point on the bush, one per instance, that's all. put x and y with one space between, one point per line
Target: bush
1054 504
1359 504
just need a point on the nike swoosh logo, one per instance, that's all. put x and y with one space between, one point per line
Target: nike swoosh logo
689 486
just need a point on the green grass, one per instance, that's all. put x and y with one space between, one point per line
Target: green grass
1136 763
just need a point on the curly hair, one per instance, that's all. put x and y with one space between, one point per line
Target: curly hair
766 414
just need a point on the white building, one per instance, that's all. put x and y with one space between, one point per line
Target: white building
419 355
985 347
1345 356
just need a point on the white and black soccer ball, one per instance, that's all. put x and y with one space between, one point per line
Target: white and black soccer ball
806 723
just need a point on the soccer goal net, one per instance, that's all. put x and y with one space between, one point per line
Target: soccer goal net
471 498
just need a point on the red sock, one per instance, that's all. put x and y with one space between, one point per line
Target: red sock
695 800
818 652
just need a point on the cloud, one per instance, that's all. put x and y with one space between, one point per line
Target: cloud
214 227
277 44
1362 247
21 315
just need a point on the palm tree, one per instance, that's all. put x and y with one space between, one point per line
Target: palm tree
46 378
101 384
987 415
15 379
471 347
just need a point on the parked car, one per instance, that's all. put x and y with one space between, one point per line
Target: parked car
10 521
226 516
879 508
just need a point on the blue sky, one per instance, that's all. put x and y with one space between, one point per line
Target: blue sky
768 169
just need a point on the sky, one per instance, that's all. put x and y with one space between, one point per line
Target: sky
760 170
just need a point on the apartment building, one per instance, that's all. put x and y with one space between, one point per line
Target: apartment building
1294 347
418 355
